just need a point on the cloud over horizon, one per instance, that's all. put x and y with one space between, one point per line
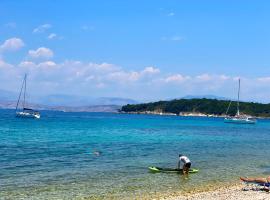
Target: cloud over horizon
76 77
41 52
12 44
107 79
140 50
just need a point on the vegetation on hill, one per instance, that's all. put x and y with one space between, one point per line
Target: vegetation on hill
206 106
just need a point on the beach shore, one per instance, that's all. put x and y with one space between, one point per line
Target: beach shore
225 193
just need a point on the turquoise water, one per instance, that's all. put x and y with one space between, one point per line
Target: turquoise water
52 158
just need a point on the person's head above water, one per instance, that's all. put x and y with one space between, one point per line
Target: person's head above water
180 155
97 153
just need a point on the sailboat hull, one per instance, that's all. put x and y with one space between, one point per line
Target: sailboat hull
27 115
240 120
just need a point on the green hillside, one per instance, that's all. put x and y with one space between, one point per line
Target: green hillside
206 106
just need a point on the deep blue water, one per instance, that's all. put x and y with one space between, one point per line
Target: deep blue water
52 158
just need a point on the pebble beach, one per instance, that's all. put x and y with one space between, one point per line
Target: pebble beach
235 192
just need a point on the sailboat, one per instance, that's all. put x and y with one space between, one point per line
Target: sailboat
25 112
239 119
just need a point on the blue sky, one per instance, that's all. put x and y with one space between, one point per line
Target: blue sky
146 50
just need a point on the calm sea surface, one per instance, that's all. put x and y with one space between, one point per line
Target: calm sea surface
52 158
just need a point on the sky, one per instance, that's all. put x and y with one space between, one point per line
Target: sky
144 50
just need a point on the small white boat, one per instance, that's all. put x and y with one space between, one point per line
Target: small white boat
25 112
28 113
239 119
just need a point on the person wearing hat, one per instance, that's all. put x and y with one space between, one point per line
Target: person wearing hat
186 163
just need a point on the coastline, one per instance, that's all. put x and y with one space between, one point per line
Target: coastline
187 114
233 192
200 107
182 114
227 191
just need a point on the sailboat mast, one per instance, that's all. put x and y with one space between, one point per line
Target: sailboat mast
24 91
228 108
238 112
20 95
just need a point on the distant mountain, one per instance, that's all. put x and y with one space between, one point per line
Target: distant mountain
63 100
94 108
99 108
114 101
74 101
69 103
12 105
66 100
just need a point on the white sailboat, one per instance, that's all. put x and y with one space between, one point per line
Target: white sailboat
239 119
25 112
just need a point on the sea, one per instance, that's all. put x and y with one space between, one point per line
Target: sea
68 155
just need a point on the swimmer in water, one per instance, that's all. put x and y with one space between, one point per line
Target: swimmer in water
96 153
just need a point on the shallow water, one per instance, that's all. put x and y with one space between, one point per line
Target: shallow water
52 158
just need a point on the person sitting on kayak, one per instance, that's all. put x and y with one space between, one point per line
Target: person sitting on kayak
186 162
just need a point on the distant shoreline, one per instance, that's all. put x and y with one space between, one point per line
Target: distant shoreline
116 111
184 115
199 108
94 108
173 114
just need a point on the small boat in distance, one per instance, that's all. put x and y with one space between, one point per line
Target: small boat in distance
238 118
25 112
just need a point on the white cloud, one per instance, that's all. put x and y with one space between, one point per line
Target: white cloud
264 79
4 65
171 14
47 65
224 77
12 44
41 52
236 78
8 75
104 67
86 28
27 64
150 70
77 77
204 77
177 38
52 36
42 28
172 38
110 74
123 77
176 78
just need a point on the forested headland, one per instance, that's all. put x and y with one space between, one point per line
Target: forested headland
205 106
